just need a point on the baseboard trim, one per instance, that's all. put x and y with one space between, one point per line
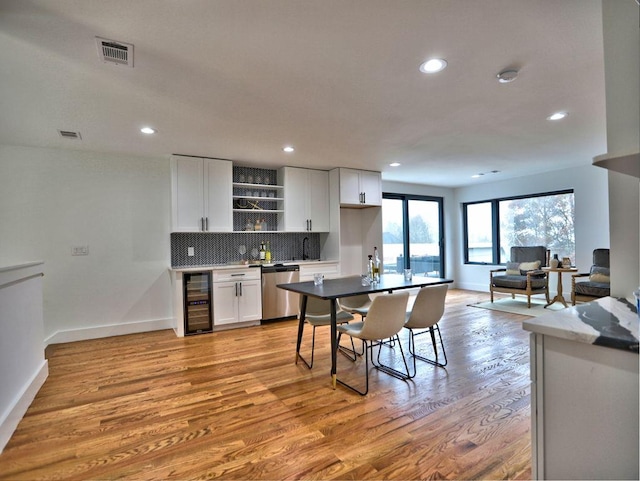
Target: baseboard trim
13 416
97 332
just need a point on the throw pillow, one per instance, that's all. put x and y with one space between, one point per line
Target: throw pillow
530 266
513 269
600 274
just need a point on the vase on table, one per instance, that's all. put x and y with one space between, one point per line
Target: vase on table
555 262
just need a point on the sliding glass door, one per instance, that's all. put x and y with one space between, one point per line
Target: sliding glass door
412 234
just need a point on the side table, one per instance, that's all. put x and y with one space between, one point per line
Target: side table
559 297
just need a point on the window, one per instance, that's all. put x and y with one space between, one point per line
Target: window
492 227
412 234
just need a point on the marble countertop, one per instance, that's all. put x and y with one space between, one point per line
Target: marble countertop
609 322
241 266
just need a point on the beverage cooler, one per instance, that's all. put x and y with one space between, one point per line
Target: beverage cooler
197 303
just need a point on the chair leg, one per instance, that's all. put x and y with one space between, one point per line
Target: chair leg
388 369
412 348
349 353
313 345
366 366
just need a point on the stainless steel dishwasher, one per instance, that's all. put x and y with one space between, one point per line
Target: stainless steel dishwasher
278 303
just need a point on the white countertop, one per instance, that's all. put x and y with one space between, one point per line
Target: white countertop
241 266
609 322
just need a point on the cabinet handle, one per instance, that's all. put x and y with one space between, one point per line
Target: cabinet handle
310 225
206 224
236 289
364 197
201 223
240 288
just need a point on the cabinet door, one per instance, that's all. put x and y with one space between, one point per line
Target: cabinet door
187 190
218 175
349 187
371 186
318 200
250 302
295 199
225 303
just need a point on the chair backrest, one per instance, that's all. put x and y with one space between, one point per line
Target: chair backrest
316 306
601 257
429 306
355 302
529 254
386 316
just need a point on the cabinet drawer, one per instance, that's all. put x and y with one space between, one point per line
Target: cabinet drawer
230 275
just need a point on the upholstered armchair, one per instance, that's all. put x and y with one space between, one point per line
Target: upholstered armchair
587 286
523 274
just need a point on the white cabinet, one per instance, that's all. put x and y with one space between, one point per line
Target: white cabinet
237 296
306 200
360 188
201 195
330 270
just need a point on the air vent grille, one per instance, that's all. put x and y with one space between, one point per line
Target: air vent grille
68 134
112 51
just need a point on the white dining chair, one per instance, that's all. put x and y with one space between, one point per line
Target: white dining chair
427 310
384 320
318 313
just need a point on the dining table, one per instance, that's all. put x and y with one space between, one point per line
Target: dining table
333 289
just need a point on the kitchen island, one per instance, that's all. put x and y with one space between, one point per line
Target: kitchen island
584 391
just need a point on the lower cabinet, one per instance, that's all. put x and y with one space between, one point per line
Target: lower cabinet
237 296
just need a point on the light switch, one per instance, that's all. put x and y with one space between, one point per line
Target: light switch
191 251
80 251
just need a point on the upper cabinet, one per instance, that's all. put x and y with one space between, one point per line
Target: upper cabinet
306 199
201 195
360 188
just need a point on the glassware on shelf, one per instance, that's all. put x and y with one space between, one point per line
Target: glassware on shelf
250 179
241 178
258 180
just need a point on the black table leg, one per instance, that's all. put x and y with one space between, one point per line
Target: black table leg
303 313
334 341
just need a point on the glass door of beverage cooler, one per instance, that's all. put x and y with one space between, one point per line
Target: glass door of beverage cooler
197 303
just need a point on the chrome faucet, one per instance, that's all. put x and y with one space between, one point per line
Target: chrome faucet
305 248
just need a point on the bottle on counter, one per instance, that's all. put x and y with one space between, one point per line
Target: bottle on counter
376 265
263 252
267 254
370 267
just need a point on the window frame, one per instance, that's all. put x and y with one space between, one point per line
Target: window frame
405 198
495 223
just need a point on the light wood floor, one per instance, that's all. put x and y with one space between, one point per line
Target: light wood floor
234 405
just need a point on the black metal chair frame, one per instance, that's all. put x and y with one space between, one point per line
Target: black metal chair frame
412 347
368 347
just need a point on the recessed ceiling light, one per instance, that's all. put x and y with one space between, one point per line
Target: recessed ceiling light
433 65
147 130
475 176
557 116
288 148
394 164
507 76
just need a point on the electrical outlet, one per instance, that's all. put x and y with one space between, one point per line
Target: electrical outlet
80 251
191 251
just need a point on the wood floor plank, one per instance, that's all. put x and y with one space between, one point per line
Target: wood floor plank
235 405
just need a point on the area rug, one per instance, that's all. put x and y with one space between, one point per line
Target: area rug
519 306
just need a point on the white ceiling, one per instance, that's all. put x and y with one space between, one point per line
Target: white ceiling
338 79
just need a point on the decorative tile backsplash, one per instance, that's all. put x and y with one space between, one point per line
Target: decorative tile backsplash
220 248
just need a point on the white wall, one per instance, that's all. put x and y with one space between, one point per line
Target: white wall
622 76
589 184
51 200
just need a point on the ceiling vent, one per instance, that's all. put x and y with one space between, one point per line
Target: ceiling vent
67 134
112 51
